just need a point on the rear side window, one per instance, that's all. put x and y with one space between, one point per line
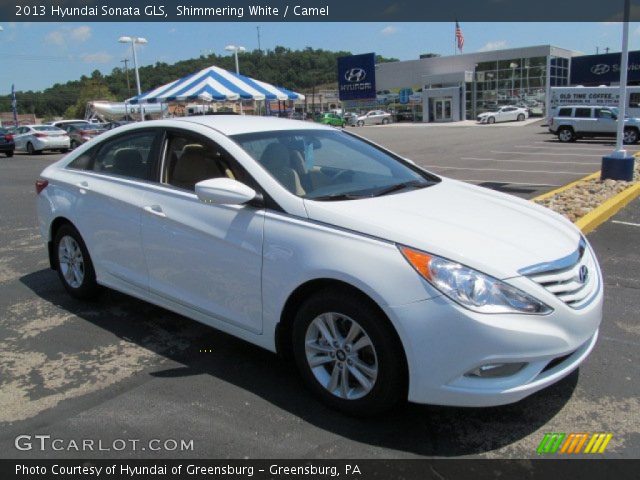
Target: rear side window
583 113
131 156
564 112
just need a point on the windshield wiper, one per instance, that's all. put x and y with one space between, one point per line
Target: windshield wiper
337 196
401 186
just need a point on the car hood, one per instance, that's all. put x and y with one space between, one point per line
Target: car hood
495 233
486 114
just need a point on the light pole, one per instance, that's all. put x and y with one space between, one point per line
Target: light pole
133 41
235 49
619 165
513 67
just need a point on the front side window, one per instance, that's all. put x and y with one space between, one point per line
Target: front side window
189 160
330 165
564 112
128 156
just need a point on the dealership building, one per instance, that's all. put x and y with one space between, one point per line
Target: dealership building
460 87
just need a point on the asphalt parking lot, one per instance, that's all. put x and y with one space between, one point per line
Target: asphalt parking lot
524 160
118 368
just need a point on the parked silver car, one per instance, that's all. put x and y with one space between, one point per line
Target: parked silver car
374 117
37 138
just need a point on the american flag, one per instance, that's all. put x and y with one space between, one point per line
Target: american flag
459 36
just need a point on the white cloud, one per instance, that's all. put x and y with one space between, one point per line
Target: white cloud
56 37
98 57
172 30
80 34
493 45
390 30
68 35
611 24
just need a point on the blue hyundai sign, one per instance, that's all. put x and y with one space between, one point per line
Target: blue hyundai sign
357 77
603 69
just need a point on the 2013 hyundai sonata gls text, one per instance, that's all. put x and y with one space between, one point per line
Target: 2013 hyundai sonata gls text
382 281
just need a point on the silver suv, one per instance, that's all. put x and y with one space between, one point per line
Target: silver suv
574 122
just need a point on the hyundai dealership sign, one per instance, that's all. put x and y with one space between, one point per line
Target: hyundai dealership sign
357 77
603 69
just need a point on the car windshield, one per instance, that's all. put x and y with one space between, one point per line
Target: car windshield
331 165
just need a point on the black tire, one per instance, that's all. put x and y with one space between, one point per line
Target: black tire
88 288
30 149
521 117
360 123
64 150
566 135
631 136
385 121
491 120
9 153
390 385
74 145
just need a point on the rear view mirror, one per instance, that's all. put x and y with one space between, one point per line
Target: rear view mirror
224 191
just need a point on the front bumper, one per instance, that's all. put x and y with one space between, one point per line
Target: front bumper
443 342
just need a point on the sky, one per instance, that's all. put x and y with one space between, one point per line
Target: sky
35 56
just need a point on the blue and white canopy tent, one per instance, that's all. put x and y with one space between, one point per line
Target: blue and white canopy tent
214 84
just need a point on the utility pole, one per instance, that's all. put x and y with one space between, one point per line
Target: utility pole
258 29
606 49
126 69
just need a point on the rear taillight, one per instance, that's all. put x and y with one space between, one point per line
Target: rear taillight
41 185
85 132
8 137
40 135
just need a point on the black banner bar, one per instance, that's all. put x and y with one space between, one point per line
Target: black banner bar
319 469
315 10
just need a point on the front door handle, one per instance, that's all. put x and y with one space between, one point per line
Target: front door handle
83 186
155 210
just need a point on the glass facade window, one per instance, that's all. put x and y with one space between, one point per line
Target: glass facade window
517 81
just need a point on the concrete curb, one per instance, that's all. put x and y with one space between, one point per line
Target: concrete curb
609 208
604 211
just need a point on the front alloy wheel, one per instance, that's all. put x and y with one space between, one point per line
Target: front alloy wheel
348 353
630 136
341 355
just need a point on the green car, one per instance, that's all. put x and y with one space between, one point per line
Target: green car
332 119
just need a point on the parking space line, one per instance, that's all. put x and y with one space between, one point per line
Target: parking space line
548 153
506 170
554 162
631 224
562 146
509 183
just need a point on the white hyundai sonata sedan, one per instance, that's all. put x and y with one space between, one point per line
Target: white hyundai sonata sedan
382 281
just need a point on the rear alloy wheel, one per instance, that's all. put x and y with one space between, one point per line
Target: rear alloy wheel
491 120
73 263
30 149
360 123
385 121
565 135
74 145
521 117
630 136
348 354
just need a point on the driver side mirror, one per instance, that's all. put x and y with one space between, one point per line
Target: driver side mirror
224 191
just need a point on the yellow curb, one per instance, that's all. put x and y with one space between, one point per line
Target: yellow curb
606 210
567 186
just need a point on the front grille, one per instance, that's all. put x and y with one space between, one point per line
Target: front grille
569 282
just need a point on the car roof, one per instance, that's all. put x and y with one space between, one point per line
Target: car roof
238 124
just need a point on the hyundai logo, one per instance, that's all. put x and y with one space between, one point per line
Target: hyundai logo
600 69
355 75
583 274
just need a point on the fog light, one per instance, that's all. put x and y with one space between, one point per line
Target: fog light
496 370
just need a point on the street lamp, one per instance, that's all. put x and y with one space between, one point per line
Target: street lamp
133 41
513 67
235 49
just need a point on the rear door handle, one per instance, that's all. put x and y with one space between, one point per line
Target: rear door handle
155 210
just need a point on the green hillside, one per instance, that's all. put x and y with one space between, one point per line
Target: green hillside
299 70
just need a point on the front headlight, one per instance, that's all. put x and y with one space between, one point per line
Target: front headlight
470 288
